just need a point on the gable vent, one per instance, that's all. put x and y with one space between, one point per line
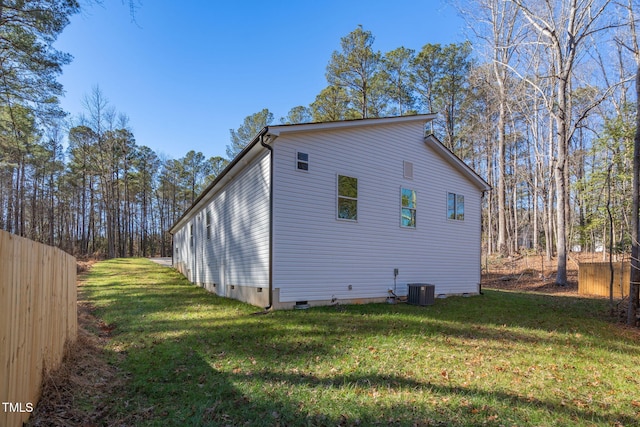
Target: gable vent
408 169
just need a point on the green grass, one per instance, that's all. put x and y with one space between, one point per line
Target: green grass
192 358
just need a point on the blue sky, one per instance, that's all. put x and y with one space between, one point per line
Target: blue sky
187 72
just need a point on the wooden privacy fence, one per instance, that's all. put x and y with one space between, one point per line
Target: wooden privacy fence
593 278
38 315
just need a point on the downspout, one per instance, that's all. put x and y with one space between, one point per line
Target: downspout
270 148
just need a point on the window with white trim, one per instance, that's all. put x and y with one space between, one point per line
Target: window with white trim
347 198
302 161
191 234
455 206
407 208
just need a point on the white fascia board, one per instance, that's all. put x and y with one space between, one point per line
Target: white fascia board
236 166
310 127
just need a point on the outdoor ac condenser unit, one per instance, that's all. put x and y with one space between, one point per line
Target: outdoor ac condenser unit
421 294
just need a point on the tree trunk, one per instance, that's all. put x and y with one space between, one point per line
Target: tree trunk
634 285
561 224
550 195
535 209
561 175
502 216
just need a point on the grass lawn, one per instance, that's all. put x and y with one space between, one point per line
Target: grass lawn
504 358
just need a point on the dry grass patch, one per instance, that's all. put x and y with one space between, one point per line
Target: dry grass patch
81 390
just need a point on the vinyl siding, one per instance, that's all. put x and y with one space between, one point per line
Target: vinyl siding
180 252
237 251
317 257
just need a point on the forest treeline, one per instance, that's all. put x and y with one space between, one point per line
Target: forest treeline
103 195
541 101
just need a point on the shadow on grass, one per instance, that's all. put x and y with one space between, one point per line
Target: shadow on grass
180 387
197 359
533 320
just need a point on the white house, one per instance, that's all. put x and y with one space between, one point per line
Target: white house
341 211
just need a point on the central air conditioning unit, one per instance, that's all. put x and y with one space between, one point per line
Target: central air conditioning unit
421 294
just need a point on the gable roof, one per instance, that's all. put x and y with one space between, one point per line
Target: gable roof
456 162
269 133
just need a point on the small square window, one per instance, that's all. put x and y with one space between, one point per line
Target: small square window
302 161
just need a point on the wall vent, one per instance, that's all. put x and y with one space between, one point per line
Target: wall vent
407 169
421 294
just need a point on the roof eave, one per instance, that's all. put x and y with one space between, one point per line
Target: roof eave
219 179
457 163
310 127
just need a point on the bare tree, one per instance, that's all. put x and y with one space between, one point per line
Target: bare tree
501 31
565 30
634 285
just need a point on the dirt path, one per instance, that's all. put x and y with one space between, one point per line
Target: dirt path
80 391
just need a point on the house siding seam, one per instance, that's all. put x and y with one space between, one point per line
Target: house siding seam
237 252
316 257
